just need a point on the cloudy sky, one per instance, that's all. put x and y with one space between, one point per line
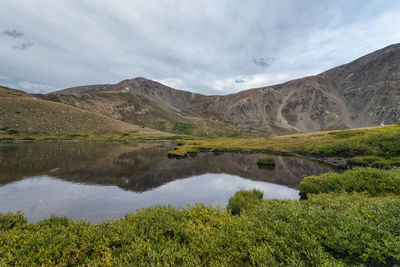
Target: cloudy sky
205 46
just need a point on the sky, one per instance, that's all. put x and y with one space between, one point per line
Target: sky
205 46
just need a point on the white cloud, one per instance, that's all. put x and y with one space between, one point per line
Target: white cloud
176 84
34 87
242 82
191 45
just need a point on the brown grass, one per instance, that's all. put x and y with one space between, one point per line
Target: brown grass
29 116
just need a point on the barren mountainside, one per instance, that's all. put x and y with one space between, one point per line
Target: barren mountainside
365 92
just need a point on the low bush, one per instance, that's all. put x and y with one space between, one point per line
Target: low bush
325 230
382 164
371 161
357 162
369 180
243 199
395 161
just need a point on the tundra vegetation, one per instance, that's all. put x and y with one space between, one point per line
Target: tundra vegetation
379 146
330 229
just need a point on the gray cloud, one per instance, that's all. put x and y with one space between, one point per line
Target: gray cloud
202 46
23 46
261 62
13 33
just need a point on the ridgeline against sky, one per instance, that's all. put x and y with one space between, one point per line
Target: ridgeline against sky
209 47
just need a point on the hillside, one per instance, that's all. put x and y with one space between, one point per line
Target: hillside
362 93
21 113
365 92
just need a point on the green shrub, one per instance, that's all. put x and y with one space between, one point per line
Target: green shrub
375 162
325 230
382 164
183 128
369 180
266 161
329 230
243 199
371 159
11 220
395 161
357 162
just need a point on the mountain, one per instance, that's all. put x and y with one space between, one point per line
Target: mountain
21 113
365 92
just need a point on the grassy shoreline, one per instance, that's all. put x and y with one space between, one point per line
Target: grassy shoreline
381 142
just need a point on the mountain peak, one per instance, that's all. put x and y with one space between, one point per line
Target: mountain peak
364 92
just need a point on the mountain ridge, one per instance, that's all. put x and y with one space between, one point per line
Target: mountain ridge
364 92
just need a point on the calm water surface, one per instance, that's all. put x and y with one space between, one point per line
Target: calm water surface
101 181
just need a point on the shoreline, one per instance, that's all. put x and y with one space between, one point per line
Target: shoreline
338 162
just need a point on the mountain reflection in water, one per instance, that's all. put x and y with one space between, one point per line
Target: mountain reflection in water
73 179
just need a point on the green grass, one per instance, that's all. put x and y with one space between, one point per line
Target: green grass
368 180
382 142
325 230
266 161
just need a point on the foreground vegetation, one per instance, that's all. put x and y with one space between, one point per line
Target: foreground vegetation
326 229
371 181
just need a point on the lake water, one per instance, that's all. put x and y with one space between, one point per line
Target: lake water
102 181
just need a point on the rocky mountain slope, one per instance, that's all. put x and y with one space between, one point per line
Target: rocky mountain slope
21 113
365 92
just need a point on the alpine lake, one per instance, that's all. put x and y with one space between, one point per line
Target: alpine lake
104 181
